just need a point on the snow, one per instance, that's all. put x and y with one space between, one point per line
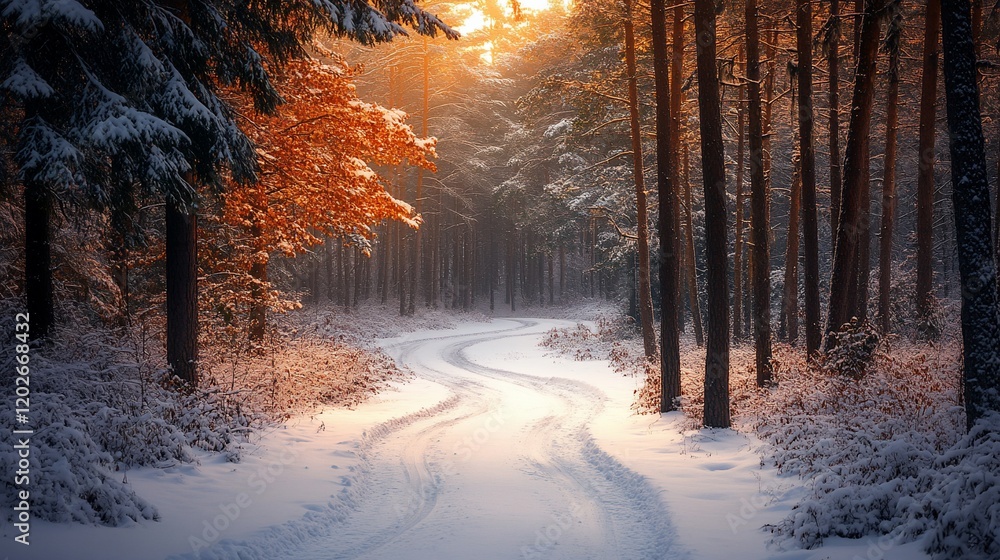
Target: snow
498 448
23 81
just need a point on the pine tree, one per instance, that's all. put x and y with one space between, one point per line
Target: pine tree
714 177
670 366
132 102
980 321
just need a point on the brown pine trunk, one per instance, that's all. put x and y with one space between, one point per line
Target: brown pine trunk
670 367
854 206
714 181
642 220
676 99
692 263
807 153
925 172
836 179
258 275
738 250
888 191
789 322
761 276
182 292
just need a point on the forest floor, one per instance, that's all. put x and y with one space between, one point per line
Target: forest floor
506 438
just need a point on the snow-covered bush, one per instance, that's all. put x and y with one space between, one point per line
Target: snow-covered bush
881 453
856 343
102 403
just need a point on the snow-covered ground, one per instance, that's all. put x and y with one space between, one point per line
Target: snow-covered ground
497 449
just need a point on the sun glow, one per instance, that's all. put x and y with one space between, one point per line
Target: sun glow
478 20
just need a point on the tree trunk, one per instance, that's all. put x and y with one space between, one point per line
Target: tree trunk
889 183
692 262
980 323
714 180
182 292
789 324
836 180
676 99
642 220
852 210
38 286
670 366
807 154
259 289
758 205
925 173
738 251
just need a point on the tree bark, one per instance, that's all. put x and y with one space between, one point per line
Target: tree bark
888 187
836 179
789 323
714 180
758 205
182 292
676 99
692 261
925 172
980 322
670 365
852 210
259 289
807 153
642 220
738 249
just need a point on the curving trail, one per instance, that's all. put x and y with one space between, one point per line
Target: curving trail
505 468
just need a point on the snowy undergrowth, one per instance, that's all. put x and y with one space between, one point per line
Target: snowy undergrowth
102 403
883 451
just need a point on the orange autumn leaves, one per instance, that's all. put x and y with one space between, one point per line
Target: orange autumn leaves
315 157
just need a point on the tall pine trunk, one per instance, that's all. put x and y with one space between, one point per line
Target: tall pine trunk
670 365
889 178
789 320
833 57
258 275
642 220
807 154
925 173
182 291
980 323
854 205
761 274
692 261
676 99
714 180
738 250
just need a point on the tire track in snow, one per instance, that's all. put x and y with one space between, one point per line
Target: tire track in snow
400 502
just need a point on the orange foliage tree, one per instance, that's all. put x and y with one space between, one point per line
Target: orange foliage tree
316 181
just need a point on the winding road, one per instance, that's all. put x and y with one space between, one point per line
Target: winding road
503 468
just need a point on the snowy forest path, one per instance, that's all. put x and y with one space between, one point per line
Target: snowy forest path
504 468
